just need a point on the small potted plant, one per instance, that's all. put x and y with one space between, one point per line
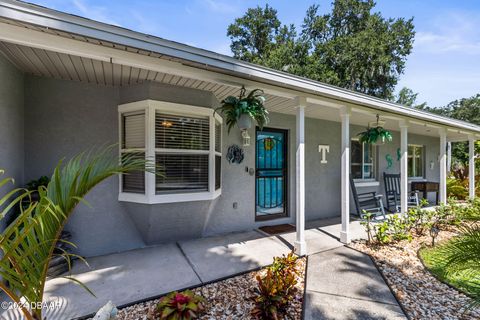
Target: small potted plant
244 109
375 134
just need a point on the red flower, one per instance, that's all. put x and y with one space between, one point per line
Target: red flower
181 299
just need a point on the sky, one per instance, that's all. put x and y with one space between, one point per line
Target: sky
444 64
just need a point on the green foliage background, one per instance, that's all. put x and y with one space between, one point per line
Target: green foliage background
352 46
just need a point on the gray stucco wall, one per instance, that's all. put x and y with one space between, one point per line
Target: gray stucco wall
63 118
11 125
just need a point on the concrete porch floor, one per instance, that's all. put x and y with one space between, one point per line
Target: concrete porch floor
135 275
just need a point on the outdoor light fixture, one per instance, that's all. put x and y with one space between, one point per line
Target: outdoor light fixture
246 138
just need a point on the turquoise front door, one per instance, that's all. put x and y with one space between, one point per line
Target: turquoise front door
271 174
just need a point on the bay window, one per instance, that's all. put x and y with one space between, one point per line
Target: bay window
185 144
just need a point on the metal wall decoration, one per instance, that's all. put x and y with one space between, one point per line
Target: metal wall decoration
389 159
235 154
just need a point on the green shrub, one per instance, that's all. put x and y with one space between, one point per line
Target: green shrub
470 211
178 306
419 221
395 228
457 188
382 232
276 288
416 221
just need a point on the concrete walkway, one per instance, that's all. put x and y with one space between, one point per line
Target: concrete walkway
345 284
149 272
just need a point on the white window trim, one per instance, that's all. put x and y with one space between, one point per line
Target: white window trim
418 178
366 182
150 107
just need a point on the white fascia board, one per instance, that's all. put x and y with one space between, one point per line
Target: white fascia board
49 18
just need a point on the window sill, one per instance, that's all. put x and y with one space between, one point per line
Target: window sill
168 198
362 183
416 179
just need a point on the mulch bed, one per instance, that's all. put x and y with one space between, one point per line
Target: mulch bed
421 294
229 299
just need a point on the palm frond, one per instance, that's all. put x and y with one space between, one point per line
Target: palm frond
462 255
28 243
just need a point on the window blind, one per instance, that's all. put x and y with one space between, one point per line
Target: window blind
134 181
133 137
181 132
182 173
218 172
218 137
133 130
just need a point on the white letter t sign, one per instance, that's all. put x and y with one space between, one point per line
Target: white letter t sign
323 149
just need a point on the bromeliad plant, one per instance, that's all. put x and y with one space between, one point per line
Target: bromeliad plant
178 306
251 106
28 243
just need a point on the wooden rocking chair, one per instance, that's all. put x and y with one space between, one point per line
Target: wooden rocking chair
367 202
392 193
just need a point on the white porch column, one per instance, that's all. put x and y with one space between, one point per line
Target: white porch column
449 156
443 166
300 244
345 176
404 166
471 167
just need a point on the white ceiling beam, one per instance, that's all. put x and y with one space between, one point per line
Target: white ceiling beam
458 131
325 102
426 124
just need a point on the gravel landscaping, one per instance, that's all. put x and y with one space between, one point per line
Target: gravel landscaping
228 299
420 293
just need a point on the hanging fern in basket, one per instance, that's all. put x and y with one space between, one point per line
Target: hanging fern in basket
372 135
252 105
